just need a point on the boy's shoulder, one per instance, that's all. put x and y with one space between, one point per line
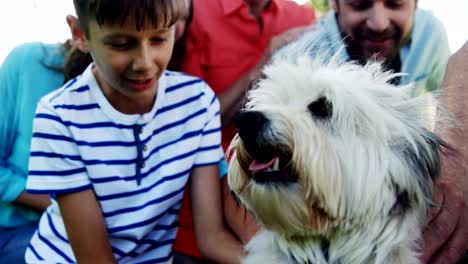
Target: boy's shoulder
177 76
75 91
178 80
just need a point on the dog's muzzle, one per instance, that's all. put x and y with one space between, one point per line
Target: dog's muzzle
251 125
269 161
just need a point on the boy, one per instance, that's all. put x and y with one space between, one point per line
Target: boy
116 145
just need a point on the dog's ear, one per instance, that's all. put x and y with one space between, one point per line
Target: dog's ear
424 160
427 161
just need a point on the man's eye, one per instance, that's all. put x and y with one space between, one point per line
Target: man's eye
360 5
395 3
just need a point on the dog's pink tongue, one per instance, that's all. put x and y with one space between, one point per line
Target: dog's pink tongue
258 166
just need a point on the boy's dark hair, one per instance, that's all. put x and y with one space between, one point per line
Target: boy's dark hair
116 12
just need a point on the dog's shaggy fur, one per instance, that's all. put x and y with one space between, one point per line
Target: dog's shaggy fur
335 163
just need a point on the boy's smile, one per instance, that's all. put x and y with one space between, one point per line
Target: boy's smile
142 84
128 62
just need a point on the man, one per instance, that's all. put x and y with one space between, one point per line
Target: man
407 39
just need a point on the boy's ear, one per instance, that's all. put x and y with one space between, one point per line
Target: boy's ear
78 36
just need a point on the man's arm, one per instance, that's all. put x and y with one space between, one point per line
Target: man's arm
446 236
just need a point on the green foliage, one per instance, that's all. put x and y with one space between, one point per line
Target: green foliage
320 5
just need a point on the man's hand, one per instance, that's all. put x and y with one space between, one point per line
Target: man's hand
446 236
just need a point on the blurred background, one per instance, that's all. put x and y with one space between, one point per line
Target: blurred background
44 20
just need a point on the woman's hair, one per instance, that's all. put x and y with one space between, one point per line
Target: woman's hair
74 63
116 12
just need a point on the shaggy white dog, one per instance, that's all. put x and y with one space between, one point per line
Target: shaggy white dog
335 163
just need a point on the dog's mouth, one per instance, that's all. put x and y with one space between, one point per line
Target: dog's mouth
265 160
274 170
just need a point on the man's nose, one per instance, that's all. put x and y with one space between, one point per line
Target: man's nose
378 19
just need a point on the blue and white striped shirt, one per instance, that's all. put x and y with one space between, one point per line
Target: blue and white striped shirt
137 165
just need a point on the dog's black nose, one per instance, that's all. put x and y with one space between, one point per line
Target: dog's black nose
250 124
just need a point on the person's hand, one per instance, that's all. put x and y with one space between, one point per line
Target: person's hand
445 238
446 235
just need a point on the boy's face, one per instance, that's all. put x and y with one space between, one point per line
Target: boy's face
376 27
129 62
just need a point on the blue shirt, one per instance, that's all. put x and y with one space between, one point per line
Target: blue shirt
137 165
423 58
24 78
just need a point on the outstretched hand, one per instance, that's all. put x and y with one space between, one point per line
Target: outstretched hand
446 235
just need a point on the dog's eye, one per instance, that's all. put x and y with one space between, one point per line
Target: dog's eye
321 108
